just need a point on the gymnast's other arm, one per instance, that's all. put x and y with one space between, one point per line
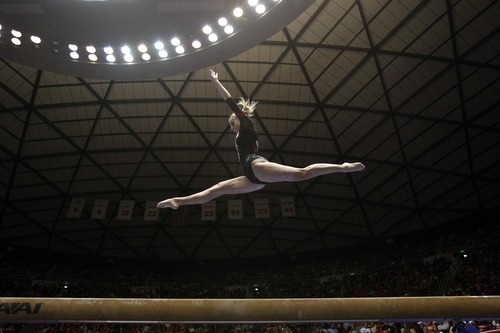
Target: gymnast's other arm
214 77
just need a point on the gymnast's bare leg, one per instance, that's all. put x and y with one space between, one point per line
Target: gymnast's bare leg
270 172
265 171
236 185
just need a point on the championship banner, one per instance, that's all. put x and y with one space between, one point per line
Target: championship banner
75 208
287 207
125 210
261 207
100 208
208 211
235 209
179 217
151 211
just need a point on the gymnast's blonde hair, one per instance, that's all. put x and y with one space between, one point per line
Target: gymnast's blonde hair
247 106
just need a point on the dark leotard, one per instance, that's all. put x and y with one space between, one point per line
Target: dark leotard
247 145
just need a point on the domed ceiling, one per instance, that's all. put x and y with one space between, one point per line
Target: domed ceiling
409 88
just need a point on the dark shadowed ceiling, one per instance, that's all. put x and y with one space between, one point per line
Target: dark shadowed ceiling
409 88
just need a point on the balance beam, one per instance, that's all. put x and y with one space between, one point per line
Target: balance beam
132 310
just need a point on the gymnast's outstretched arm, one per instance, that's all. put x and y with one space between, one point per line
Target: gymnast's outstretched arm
214 77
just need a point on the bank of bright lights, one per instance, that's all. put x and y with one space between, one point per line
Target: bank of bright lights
157 50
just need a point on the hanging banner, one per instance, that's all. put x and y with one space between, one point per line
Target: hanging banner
125 210
100 208
235 209
75 208
208 211
180 217
287 207
151 211
261 207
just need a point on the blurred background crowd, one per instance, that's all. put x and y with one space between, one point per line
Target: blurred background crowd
451 260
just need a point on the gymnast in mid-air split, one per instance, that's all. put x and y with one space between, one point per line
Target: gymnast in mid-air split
256 169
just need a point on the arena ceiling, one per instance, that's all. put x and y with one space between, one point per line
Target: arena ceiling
409 88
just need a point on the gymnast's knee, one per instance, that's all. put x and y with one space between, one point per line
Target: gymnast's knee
299 174
220 187
304 173
217 187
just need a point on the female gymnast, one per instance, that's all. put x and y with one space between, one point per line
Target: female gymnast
257 170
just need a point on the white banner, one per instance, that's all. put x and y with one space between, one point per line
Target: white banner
287 207
100 208
235 209
261 207
151 211
75 208
208 211
125 210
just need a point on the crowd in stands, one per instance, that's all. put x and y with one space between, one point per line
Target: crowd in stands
459 262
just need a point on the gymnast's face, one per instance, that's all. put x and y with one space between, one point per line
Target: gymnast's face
234 122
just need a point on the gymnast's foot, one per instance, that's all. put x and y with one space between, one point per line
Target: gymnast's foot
353 167
169 203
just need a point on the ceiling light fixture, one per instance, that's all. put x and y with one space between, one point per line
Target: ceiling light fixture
125 50
222 21
238 12
128 57
163 54
159 45
207 30
260 9
16 33
243 20
36 39
196 44
212 37
175 41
